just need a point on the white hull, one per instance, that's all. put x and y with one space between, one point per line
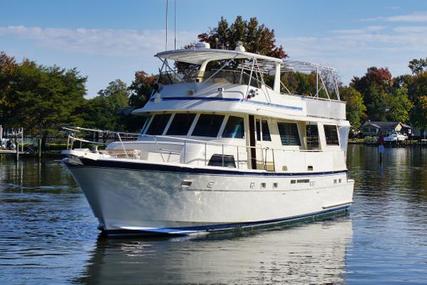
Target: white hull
125 199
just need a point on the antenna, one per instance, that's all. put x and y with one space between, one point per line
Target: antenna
174 40
166 18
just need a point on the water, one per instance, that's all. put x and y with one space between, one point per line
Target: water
48 235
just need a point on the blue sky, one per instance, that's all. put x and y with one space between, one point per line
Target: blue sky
109 40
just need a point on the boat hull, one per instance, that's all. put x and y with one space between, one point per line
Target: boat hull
140 198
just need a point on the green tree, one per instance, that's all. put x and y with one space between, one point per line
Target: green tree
256 38
38 98
116 93
399 105
103 111
418 65
355 107
418 91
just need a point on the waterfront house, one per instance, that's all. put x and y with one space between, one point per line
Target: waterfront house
375 128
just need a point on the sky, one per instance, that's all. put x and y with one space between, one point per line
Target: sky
107 40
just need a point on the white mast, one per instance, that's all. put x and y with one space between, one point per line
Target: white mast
174 41
166 28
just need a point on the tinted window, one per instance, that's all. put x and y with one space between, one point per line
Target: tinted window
158 124
262 128
331 134
289 133
144 123
180 125
265 131
222 160
258 130
234 128
312 134
208 125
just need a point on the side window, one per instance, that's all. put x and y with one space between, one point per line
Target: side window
289 133
208 125
265 131
158 124
331 134
234 128
180 125
312 134
262 130
145 121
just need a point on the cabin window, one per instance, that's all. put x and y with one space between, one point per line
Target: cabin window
262 130
289 133
208 125
180 125
158 124
234 128
312 134
145 121
222 160
331 134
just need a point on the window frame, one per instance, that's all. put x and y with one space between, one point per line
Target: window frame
227 119
300 140
166 126
197 119
146 124
189 128
315 124
259 133
336 132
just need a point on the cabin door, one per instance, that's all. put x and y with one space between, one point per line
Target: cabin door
252 141
263 144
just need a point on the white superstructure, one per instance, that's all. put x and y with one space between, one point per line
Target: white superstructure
221 147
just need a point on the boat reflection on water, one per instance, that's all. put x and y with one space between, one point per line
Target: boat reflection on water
313 253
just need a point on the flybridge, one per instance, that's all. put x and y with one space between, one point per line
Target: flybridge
202 64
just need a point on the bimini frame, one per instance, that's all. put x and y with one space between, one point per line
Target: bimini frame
256 65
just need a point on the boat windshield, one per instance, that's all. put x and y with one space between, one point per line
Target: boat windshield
225 72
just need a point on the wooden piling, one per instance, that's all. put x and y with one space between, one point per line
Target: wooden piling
39 148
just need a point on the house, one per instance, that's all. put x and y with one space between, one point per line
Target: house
374 128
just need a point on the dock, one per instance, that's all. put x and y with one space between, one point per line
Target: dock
14 136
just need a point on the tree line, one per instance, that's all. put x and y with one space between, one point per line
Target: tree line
41 98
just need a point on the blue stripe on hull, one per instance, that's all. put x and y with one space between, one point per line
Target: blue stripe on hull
230 227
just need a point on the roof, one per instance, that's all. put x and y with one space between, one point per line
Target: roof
200 55
381 125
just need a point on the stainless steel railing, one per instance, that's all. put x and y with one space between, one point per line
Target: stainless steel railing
168 145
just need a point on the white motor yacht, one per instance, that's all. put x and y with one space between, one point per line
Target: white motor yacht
224 145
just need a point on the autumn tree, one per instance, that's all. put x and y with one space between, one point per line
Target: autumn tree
141 88
375 86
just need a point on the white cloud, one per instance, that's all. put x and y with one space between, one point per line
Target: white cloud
415 17
115 42
351 51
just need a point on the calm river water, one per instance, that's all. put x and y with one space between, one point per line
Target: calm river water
48 235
